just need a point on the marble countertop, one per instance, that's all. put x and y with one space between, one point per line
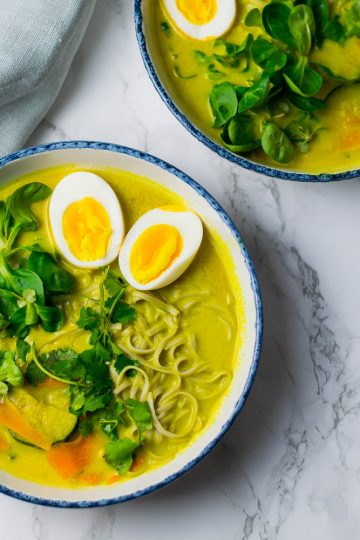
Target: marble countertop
290 466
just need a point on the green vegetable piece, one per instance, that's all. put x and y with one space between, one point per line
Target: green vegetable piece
253 18
5 221
276 144
334 30
34 375
122 361
77 400
51 317
119 454
20 201
223 102
93 403
213 73
275 19
55 424
55 278
3 389
22 348
166 28
31 316
64 363
351 19
302 27
89 319
241 134
140 413
302 130
301 78
10 372
308 104
201 57
17 326
233 49
255 95
110 418
327 27
86 426
8 303
267 55
4 322
123 313
23 280
114 285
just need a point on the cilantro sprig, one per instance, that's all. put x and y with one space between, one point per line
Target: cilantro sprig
87 374
111 310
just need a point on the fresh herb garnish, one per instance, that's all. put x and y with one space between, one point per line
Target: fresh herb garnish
291 31
122 361
112 310
119 454
87 374
25 293
10 373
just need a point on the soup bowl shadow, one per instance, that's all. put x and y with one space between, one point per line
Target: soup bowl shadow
91 154
143 31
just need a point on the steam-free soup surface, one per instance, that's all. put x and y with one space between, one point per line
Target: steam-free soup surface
327 139
184 343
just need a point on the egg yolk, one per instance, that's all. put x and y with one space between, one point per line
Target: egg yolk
154 252
197 11
87 229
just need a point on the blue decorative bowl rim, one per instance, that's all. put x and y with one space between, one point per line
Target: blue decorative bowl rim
94 145
217 148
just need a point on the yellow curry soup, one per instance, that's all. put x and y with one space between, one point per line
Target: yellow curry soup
321 140
179 351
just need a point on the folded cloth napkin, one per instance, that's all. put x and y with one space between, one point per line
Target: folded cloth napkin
38 41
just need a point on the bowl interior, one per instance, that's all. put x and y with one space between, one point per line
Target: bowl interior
152 57
103 155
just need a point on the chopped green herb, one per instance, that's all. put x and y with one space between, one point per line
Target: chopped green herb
166 28
119 454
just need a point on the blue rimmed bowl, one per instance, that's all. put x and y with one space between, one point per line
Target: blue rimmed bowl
147 44
102 155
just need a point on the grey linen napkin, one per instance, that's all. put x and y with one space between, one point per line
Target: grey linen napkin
38 41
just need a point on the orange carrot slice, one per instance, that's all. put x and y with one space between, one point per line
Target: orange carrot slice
11 418
70 458
113 478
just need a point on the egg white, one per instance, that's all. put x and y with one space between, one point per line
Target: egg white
74 187
218 26
190 228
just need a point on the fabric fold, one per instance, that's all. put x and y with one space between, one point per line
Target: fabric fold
38 41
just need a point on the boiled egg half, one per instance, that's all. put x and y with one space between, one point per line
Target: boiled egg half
202 19
160 246
86 220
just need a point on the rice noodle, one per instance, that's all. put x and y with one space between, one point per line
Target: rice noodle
171 376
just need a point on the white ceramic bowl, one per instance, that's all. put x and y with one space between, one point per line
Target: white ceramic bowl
96 154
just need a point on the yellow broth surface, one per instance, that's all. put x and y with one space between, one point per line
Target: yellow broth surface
216 323
335 146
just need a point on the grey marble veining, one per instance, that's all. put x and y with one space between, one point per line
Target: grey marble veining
290 466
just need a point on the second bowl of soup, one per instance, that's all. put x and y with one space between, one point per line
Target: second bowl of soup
272 86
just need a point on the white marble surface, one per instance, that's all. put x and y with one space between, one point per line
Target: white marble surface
290 466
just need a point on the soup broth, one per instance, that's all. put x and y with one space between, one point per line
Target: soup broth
322 140
180 352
